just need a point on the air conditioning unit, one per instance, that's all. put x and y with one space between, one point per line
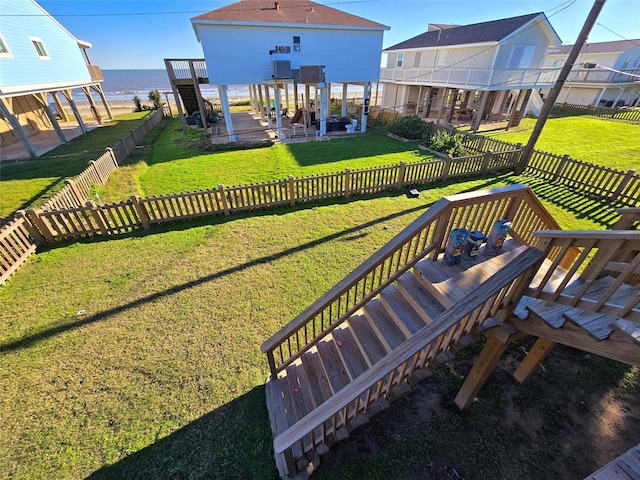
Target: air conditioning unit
283 49
281 69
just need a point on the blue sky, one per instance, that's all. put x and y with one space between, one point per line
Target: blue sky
130 34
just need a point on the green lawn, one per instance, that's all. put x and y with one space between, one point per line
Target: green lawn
603 142
33 182
139 357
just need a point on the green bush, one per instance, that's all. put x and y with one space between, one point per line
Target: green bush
444 143
411 127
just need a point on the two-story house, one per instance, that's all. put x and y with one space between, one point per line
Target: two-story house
39 61
485 70
605 74
273 45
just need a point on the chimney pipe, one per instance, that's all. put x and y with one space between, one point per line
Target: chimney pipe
277 5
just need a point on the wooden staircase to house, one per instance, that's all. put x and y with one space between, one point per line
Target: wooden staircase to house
403 312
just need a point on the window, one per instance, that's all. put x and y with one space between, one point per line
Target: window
442 57
4 49
39 46
399 60
296 44
417 59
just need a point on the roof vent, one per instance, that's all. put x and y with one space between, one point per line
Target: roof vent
277 4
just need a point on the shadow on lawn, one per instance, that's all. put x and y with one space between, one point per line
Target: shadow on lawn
346 235
232 441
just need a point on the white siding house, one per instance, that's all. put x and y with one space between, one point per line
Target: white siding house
273 45
40 59
613 76
484 70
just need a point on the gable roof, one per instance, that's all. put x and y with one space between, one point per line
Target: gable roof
285 11
616 46
492 31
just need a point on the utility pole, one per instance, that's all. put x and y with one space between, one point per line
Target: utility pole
555 91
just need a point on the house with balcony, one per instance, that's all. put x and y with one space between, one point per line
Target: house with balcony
482 71
276 47
605 74
41 63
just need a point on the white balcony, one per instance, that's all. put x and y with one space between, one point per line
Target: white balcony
474 78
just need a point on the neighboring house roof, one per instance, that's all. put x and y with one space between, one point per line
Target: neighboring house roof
285 11
616 46
484 32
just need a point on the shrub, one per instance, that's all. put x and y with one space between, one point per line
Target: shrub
137 103
411 127
156 99
444 143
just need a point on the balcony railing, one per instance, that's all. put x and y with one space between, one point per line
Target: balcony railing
587 75
187 69
96 73
475 78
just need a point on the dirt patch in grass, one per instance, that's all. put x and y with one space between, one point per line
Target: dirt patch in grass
575 414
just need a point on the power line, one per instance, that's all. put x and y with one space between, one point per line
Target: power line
618 35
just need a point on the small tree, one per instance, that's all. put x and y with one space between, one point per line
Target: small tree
154 96
138 103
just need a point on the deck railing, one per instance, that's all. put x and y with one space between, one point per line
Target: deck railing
612 253
425 236
419 351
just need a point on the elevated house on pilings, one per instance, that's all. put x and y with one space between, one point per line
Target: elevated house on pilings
41 63
275 47
480 72
406 310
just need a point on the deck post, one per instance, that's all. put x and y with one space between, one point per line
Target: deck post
497 341
538 352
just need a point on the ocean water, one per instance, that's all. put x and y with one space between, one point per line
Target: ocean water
123 85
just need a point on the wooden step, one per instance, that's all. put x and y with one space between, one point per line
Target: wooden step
401 311
350 351
385 327
370 345
452 284
334 367
422 301
550 313
595 324
626 297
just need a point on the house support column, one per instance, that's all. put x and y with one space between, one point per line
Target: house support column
536 355
295 96
480 112
74 109
375 102
61 109
20 132
453 96
615 102
286 96
599 97
328 98
344 99
176 96
261 109
429 102
365 107
520 106
267 98
498 339
92 105
107 106
277 114
226 112
323 107
42 99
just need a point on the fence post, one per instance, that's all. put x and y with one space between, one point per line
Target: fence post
38 239
38 221
113 156
124 145
292 191
485 161
141 211
223 199
76 193
558 171
92 163
133 135
401 169
446 167
627 178
97 216
347 182
481 143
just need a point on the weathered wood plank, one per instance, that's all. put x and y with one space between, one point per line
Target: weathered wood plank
550 313
334 368
388 331
370 345
350 351
595 324
424 303
630 328
401 311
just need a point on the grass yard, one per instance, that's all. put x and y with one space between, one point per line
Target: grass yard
33 182
175 165
150 368
603 142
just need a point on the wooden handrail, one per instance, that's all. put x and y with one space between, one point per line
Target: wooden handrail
434 224
589 234
522 266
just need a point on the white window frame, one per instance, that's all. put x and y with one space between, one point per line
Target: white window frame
38 45
399 59
442 57
8 53
521 56
296 46
417 60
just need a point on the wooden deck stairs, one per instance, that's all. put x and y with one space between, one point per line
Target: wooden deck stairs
403 312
